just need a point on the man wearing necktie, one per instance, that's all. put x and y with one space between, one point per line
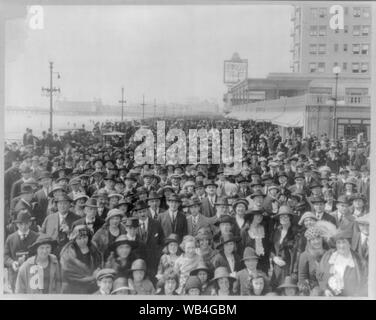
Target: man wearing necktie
318 204
57 225
343 215
151 235
154 203
91 218
17 245
195 220
208 203
173 220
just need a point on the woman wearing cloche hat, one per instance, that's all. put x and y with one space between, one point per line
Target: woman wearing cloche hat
122 255
40 274
223 282
79 258
227 255
257 236
284 247
309 261
108 233
171 253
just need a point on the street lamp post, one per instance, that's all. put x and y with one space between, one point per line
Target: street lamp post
336 71
143 106
122 101
50 91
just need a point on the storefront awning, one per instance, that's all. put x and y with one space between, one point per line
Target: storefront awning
283 118
290 119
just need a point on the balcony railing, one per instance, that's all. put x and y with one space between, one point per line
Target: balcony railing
310 99
347 100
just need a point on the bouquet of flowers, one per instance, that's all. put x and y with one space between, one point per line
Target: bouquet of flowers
335 284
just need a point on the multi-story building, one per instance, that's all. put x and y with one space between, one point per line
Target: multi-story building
317 47
314 103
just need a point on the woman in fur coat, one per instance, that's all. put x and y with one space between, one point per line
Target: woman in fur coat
79 259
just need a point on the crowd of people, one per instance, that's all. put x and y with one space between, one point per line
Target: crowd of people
82 217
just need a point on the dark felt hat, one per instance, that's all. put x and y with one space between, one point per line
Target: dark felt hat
257 193
174 197
23 217
42 239
123 239
224 219
173 237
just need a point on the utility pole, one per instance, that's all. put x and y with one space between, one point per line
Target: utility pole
143 106
155 107
50 91
122 101
336 71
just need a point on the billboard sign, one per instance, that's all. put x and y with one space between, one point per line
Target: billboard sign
235 70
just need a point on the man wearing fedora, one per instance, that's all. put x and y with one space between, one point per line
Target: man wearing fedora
195 220
208 203
244 189
147 178
151 235
173 219
109 184
58 225
318 204
91 218
17 245
175 180
24 199
132 232
41 197
342 216
75 187
26 174
97 184
154 202
102 202
243 285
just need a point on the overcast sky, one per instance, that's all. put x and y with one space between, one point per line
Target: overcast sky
169 53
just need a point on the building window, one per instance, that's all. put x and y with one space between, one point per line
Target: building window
365 30
335 64
345 47
356 12
312 67
322 12
356 30
364 67
336 47
365 48
313 48
314 12
355 67
356 91
344 66
321 67
322 30
346 29
366 12
322 48
356 48
313 30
